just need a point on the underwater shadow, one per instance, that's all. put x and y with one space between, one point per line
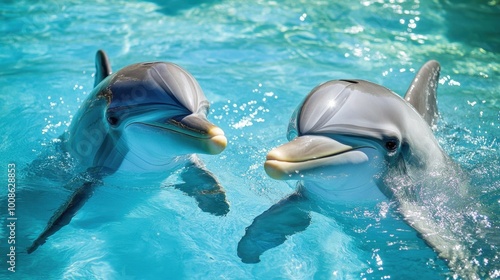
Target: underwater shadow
68 199
175 7
463 24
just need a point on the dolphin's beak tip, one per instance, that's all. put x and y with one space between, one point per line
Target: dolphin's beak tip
274 154
274 170
218 141
274 164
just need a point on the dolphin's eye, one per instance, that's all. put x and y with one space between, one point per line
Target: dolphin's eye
113 120
391 145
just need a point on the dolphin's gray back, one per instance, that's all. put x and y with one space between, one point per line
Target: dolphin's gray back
423 90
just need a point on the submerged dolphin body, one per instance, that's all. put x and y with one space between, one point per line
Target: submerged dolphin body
145 117
353 143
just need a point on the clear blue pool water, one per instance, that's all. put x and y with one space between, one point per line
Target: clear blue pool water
255 60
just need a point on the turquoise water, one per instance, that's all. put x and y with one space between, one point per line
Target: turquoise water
255 60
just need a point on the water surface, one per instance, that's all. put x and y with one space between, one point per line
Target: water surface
255 60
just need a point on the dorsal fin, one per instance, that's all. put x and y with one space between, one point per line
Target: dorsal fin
102 67
423 90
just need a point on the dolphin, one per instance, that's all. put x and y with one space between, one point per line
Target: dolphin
146 117
352 143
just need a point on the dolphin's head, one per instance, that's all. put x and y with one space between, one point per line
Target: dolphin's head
159 110
343 135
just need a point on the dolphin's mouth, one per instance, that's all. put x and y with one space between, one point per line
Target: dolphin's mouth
194 128
309 152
